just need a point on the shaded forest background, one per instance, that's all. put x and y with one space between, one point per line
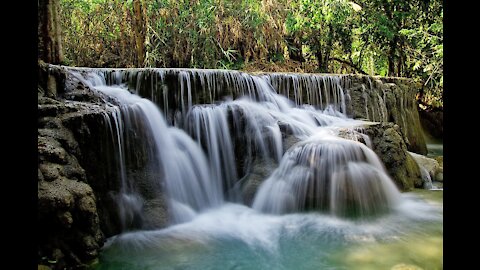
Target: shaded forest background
375 37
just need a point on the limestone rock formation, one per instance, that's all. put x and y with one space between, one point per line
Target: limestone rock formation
388 100
431 165
388 144
70 233
67 212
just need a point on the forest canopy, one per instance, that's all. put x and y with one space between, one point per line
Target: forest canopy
375 37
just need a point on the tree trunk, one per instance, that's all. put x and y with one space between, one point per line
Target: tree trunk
320 62
139 31
49 32
391 57
323 51
401 60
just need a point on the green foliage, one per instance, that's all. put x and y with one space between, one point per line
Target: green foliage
378 37
424 47
324 26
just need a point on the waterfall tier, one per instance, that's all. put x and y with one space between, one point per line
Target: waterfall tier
175 91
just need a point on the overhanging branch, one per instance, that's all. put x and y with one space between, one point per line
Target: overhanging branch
359 70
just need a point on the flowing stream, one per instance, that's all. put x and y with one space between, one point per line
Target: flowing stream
325 203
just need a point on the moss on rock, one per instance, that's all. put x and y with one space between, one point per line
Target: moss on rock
389 145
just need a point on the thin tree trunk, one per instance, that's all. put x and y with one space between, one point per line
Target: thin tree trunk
401 60
49 32
321 64
139 31
391 57
123 36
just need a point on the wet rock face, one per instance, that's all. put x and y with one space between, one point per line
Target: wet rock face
388 144
259 172
78 176
432 166
69 228
388 100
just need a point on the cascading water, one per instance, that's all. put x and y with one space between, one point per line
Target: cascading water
325 172
321 91
183 164
128 201
205 148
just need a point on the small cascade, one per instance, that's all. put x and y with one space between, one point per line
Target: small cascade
177 90
186 178
330 174
320 91
128 202
208 125
426 179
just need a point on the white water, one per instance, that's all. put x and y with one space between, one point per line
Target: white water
323 172
234 236
188 181
329 173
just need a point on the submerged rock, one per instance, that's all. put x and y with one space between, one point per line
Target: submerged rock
260 171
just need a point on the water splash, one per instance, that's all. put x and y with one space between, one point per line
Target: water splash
237 237
331 174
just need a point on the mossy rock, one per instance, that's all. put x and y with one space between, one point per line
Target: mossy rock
390 146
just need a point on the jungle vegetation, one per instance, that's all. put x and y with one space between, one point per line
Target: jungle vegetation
375 37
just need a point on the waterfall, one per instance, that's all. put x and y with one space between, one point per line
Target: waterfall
325 172
207 128
129 203
187 180
207 169
320 91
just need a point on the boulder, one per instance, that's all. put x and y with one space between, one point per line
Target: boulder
389 145
68 221
430 165
387 100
